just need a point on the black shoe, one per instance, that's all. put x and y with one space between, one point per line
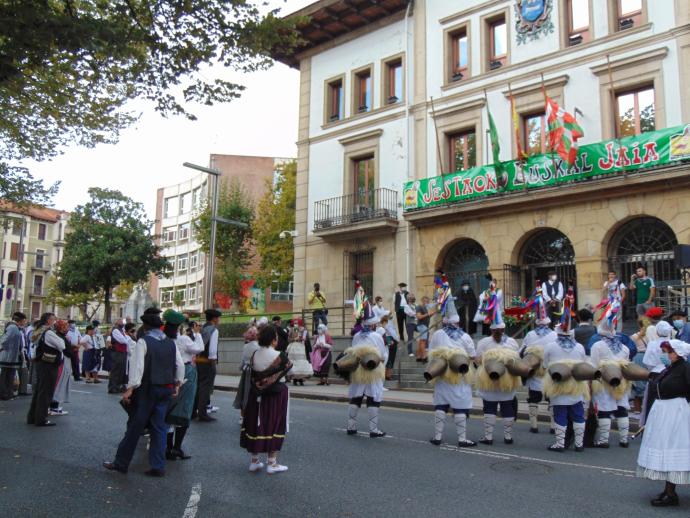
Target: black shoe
435 442
114 391
623 444
488 442
603 445
154 473
352 432
375 435
534 430
556 448
206 419
508 441
579 449
169 455
552 431
46 423
114 467
665 500
466 444
180 454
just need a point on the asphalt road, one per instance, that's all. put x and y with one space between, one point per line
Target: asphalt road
57 472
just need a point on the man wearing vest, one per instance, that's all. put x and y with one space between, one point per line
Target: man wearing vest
206 364
118 354
156 372
552 292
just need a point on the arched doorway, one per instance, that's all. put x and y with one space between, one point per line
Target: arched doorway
466 261
648 241
547 250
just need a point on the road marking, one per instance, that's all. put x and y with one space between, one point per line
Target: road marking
81 391
193 502
512 456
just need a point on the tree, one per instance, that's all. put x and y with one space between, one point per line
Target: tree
68 68
233 243
276 213
178 299
109 243
82 300
20 188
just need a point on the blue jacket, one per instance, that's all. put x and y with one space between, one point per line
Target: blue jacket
625 339
11 346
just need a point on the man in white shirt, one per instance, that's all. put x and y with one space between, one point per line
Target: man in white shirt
155 382
206 364
118 353
552 291
74 338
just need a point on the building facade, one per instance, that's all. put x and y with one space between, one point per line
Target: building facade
394 97
177 207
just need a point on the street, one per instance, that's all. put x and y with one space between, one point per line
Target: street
57 471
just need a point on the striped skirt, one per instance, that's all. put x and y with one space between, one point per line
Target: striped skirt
265 421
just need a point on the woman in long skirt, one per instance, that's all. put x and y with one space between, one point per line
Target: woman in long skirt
301 368
665 450
265 410
321 354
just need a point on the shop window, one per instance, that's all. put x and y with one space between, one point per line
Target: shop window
463 151
635 112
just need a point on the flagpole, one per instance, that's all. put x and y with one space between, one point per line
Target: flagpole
438 142
520 155
512 119
546 110
612 95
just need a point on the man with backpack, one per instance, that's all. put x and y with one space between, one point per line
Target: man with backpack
11 351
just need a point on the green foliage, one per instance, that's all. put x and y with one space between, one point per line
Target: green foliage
233 243
82 300
19 187
178 299
276 213
109 243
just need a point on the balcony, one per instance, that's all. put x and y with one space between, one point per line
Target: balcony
369 212
37 291
45 267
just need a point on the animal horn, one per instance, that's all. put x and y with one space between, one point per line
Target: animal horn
435 368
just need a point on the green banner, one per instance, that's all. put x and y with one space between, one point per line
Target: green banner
628 154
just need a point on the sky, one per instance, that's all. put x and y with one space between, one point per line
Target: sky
149 154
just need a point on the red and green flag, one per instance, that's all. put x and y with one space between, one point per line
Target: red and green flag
495 146
563 132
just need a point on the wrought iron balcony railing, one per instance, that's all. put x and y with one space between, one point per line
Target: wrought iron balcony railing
365 205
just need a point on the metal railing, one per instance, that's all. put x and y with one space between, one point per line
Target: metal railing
340 320
365 205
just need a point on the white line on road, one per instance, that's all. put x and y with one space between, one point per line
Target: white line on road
81 391
193 502
511 456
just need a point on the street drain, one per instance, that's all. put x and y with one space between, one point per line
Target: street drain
526 468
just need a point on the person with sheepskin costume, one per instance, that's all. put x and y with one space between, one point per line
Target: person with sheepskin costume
452 347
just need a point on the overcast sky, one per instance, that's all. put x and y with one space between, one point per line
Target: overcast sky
149 155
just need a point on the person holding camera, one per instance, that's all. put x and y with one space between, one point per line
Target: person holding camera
317 303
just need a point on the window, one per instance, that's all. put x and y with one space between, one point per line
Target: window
170 207
635 112
196 198
181 295
42 231
281 291
629 13
38 285
192 293
182 263
12 278
169 234
166 296
459 55
363 97
463 151
60 232
183 231
361 265
14 251
578 21
365 181
335 100
193 261
185 202
17 227
498 43
39 258
534 133
394 81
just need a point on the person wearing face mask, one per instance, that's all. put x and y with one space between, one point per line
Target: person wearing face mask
321 354
466 305
118 355
552 291
655 361
492 400
665 450
678 320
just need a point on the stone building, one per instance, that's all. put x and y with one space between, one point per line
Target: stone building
395 97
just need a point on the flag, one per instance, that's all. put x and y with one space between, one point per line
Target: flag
563 132
495 146
520 151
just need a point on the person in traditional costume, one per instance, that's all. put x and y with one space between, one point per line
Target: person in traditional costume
610 400
266 407
656 361
665 450
533 345
452 347
321 354
614 297
498 387
490 302
369 354
466 305
391 339
567 391
553 293
188 344
301 368
64 381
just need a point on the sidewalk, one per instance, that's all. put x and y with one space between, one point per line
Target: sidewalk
408 399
